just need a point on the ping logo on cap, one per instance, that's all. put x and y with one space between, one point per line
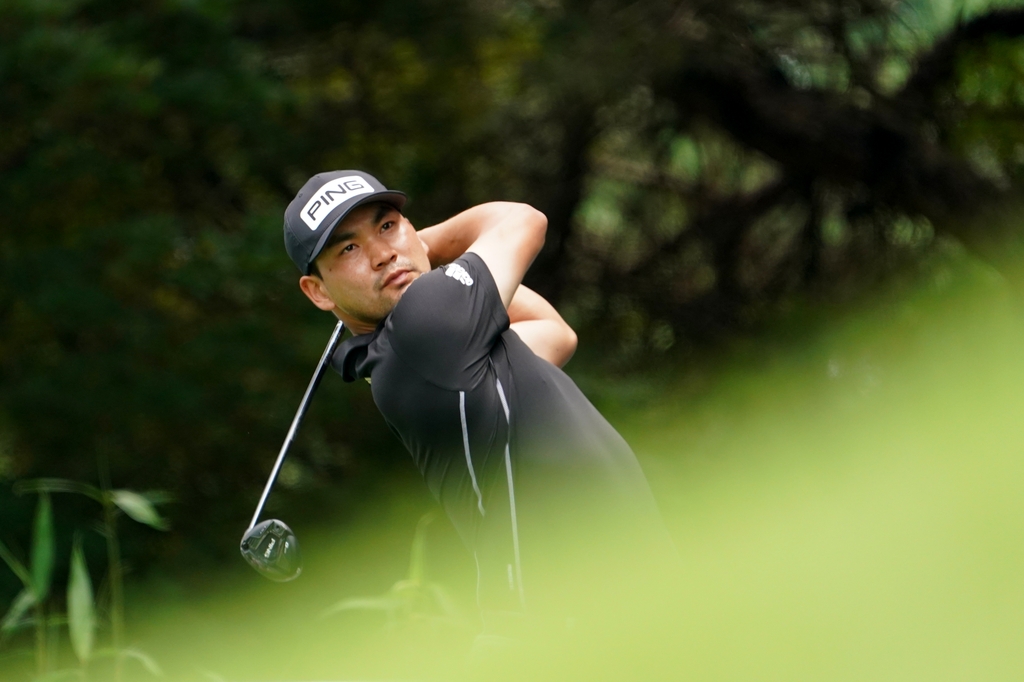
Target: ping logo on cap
341 189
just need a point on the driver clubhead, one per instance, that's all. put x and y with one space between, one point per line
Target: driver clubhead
271 548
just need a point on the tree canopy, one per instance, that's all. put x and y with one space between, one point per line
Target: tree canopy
699 162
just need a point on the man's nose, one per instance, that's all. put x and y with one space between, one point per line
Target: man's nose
381 253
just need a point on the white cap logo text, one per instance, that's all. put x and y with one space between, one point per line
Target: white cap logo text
335 191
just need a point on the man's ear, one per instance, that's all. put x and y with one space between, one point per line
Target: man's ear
315 291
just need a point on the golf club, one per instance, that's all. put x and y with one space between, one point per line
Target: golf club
271 547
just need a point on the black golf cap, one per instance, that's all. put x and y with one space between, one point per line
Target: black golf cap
321 204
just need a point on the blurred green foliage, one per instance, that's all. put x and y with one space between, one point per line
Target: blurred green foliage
846 501
80 604
702 166
413 599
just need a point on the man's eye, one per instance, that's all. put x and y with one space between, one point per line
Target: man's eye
348 247
387 226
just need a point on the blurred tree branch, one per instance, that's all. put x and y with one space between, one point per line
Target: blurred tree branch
936 69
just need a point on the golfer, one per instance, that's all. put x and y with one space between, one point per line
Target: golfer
463 362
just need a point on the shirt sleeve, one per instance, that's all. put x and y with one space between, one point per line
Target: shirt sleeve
448 321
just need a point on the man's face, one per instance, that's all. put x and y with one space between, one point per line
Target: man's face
371 259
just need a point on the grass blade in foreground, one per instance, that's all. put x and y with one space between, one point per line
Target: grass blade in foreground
43 548
81 606
13 620
138 508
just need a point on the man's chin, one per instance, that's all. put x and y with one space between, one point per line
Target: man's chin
389 298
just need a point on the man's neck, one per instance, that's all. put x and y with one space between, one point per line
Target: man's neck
358 328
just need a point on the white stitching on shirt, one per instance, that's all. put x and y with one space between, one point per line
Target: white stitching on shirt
469 459
512 494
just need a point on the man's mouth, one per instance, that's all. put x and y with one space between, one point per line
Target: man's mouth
398 278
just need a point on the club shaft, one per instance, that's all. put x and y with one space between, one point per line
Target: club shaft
299 414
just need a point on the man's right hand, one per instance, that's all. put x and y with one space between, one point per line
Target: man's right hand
507 237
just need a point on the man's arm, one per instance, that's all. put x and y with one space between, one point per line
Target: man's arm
506 236
540 327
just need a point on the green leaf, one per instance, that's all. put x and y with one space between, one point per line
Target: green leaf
58 485
443 600
15 654
142 657
16 566
56 620
139 508
406 589
13 619
43 548
145 659
81 606
388 604
64 673
158 497
418 555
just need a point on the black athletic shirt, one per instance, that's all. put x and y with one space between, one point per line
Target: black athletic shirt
538 484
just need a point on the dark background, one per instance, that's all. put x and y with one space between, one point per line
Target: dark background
707 168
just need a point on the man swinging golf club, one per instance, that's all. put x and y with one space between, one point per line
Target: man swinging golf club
463 363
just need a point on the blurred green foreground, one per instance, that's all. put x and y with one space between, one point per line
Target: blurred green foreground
849 509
